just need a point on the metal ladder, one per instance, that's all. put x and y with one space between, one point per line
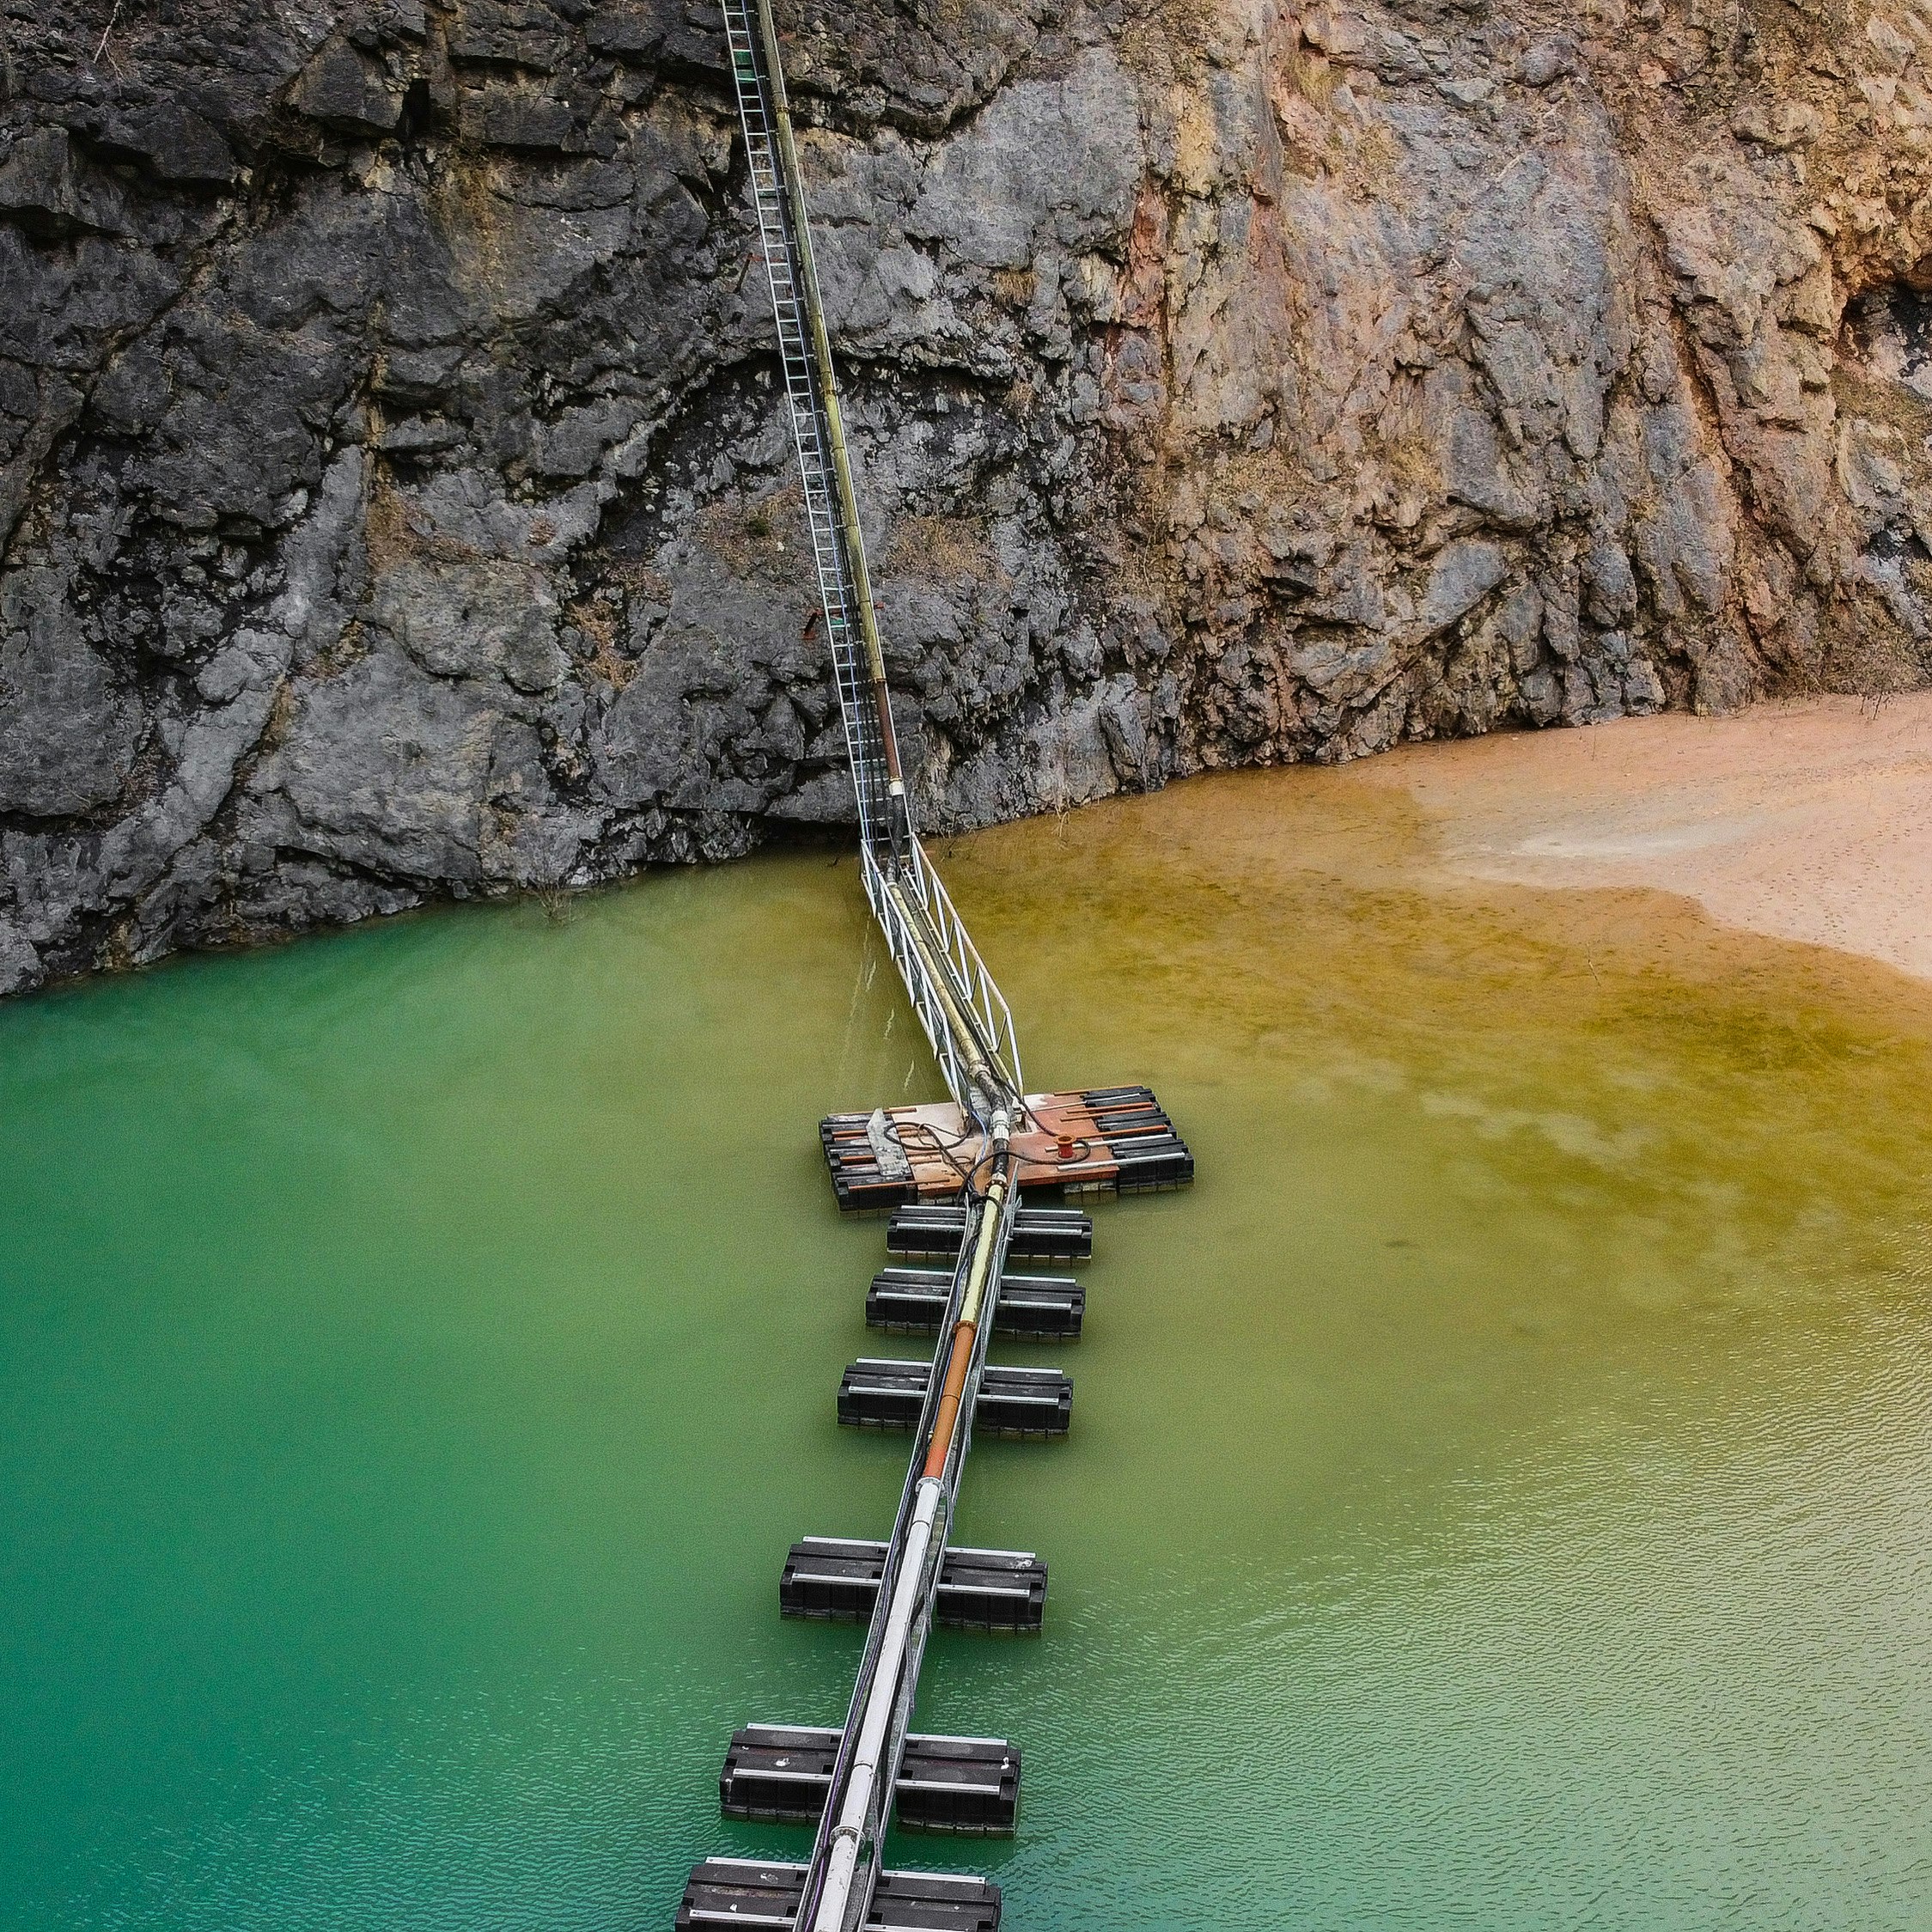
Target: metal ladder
840 585
960 1006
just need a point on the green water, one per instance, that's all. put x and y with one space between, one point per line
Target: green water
1499 1493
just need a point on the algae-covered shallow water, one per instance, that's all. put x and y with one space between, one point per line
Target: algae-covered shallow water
1499 1493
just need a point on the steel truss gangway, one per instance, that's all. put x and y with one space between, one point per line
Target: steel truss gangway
956 1173
962 1010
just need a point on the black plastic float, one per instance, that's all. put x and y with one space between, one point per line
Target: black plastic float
913 1299
880 1393
782 1772
838 1578
757 1893
1039 1234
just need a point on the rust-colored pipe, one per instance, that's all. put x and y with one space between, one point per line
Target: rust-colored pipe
959 1357
948 1416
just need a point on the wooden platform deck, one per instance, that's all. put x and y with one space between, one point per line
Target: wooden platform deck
1098 1138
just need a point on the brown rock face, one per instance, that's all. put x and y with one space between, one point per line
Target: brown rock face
396 500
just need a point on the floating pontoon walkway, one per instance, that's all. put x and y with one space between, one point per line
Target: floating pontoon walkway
951 1176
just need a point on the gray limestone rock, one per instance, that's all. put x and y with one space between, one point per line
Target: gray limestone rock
344 88
397 493
412 778
20 965
484 620
68 731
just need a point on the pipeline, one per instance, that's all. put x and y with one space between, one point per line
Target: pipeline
927 948
900 828
887 1695
943 973
848 1836
868 1676
960 1345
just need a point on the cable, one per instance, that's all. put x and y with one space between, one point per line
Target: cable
896 1133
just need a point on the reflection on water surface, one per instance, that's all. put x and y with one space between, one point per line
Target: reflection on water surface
1499 1492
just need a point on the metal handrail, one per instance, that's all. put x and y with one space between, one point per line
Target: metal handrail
840 589
975 994
906 955
971 996
984 996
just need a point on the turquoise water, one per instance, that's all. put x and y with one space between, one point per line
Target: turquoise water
1499 1492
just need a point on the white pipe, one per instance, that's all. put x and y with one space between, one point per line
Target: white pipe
847 1835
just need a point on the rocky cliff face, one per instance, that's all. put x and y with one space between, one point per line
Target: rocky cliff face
396 500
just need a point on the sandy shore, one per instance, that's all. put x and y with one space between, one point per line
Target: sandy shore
1810 822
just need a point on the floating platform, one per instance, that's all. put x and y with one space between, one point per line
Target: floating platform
837 1577
783 1771
1038 1307
756 1892
885 1394
1101 1138
932 1234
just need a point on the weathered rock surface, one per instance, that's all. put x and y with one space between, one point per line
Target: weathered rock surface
396 500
